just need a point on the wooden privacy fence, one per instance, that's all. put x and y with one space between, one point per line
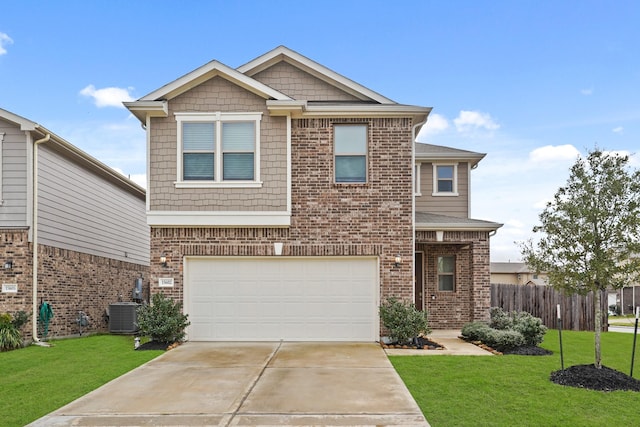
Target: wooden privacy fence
541 301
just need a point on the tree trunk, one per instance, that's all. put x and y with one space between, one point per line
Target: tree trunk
598 327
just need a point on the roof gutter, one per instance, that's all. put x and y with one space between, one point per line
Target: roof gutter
34 287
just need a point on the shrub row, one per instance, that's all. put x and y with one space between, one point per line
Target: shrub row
506 330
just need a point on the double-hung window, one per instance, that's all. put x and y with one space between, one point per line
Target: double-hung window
218 150
350 150
446 273
445 180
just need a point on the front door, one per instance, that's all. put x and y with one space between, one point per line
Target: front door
418 281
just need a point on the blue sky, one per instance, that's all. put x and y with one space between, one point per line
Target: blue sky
533 84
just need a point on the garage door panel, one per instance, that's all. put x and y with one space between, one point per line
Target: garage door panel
319 299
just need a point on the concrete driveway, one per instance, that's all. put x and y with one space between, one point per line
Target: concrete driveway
250 384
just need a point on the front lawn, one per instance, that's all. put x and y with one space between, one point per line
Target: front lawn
37 380
516 390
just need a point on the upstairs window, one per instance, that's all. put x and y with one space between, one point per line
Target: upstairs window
446 273
198 151
445 180
238 150
350 150
218 149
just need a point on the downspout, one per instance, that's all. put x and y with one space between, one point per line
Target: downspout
34 226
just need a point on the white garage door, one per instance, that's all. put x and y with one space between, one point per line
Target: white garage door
293 299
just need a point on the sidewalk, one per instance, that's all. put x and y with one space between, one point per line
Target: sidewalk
453 346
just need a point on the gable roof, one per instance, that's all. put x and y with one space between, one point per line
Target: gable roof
370 103
283 53
439 152
73 152
206 72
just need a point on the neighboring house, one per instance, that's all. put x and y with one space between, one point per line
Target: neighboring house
86 221
281 205
516 273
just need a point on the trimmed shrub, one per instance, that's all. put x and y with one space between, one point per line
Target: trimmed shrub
475 331
403 320
162 320
500 319
504 339
506 330
529 326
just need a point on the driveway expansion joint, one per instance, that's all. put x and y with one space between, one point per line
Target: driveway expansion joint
253 385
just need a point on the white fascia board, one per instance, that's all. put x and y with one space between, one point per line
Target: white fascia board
443 157
219 219
144 109
458 227
302 108
25 124
317 70
206 72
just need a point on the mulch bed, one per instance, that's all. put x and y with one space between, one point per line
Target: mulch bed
419 343
588 376
156 345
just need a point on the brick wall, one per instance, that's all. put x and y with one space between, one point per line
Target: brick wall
471 299
328 219
16 247
70 281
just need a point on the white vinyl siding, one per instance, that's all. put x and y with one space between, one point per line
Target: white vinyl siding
80 211
218 149
350 149
288 298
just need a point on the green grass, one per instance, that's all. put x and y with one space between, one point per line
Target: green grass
516 390
37 380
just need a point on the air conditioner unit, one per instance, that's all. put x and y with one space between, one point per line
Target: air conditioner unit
123 318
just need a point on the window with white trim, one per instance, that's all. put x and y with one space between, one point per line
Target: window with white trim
445 180
218 149
417 171
446 273
350 151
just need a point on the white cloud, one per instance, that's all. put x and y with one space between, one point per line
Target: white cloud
468 121
108 96
435 124
618 129
4 40
586 92
554 153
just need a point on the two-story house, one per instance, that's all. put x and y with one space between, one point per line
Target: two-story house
281 205
72 230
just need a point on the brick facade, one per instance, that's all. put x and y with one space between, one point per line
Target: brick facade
70 281
328 219
471 299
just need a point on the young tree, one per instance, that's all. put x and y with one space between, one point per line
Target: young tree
590 232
